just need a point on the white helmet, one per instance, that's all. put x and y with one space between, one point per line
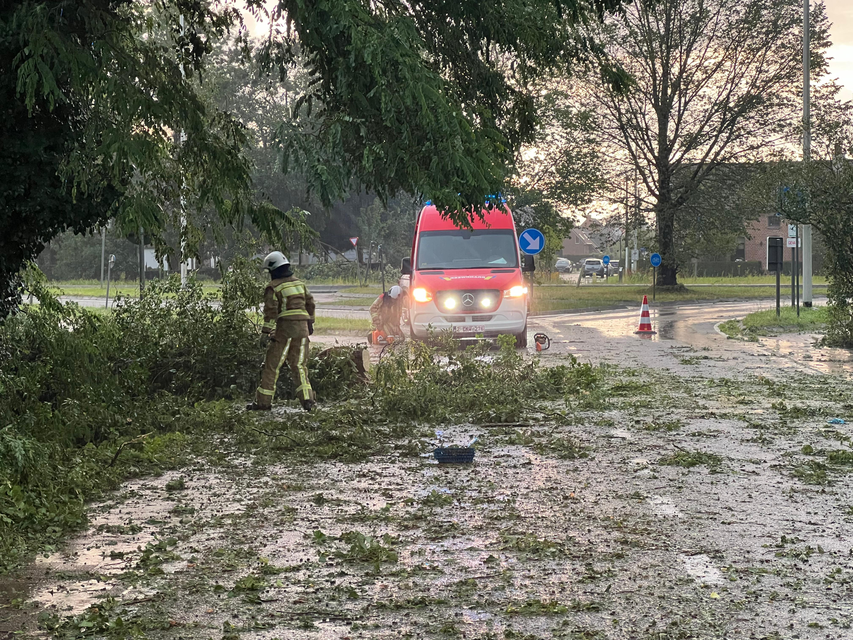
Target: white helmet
395 292
274 260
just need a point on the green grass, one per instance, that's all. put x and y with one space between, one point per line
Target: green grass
724 280
374 289
348 302
765 323
342 325
93 288
591 296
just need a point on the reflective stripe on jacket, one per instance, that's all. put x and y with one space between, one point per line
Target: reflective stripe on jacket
286 299
386 310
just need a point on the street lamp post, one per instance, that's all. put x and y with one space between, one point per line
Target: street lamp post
807 152
103 248
112 261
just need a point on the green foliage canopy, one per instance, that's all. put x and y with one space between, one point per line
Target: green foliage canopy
93 96
426 97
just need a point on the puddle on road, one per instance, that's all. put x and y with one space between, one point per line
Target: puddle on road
119 532
702 569
664 506
801 349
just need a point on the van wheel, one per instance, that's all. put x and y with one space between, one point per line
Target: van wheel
521 339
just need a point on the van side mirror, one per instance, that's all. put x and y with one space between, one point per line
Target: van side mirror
527 265
406 266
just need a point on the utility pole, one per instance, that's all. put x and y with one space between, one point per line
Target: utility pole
807 152
141 261
103 247
625 235
184 263
636 218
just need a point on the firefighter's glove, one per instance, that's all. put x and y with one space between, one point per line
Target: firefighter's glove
310 327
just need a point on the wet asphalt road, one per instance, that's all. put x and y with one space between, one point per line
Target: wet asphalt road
609 336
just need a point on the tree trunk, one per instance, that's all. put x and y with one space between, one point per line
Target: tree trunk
665 217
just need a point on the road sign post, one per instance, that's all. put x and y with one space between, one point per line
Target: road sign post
354 242
796 267
606 261
655 261
531 241
110 264
775 260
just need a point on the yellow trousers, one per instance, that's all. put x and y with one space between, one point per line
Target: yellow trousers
289 343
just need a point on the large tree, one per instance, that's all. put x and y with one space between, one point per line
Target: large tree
92 95
419 96
715 82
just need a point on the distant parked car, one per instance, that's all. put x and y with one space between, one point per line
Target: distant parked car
563 265
613 268
592 267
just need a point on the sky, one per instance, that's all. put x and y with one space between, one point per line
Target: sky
840 14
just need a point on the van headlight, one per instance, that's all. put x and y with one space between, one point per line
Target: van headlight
516 291
421 295
450 302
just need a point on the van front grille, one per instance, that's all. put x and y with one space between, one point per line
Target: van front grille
468 300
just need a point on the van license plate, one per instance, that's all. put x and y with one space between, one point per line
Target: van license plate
476 328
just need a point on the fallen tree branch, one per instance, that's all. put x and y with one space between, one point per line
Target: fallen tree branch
492 425
274 435
124 444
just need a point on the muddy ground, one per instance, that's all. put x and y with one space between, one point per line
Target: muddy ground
704 494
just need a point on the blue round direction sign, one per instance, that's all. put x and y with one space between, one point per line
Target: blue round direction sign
606 259
655 260
531 241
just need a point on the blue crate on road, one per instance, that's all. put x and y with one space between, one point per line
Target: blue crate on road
454 455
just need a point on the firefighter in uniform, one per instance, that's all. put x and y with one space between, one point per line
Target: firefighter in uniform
386 312
288 321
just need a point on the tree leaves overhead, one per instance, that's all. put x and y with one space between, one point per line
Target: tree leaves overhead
428 97
418 96
93 98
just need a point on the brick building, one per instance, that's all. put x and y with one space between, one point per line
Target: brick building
754 247
578 245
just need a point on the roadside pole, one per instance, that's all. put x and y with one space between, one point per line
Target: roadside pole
532 278
807 151
354 242
182 137
141 261
112 261
778 291
103 247
793 276
775 262
381 266
531 242
797 268
792 235
655 260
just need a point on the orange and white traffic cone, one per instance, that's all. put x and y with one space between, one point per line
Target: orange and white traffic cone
645 319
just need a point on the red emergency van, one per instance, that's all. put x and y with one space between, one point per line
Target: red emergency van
468 281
